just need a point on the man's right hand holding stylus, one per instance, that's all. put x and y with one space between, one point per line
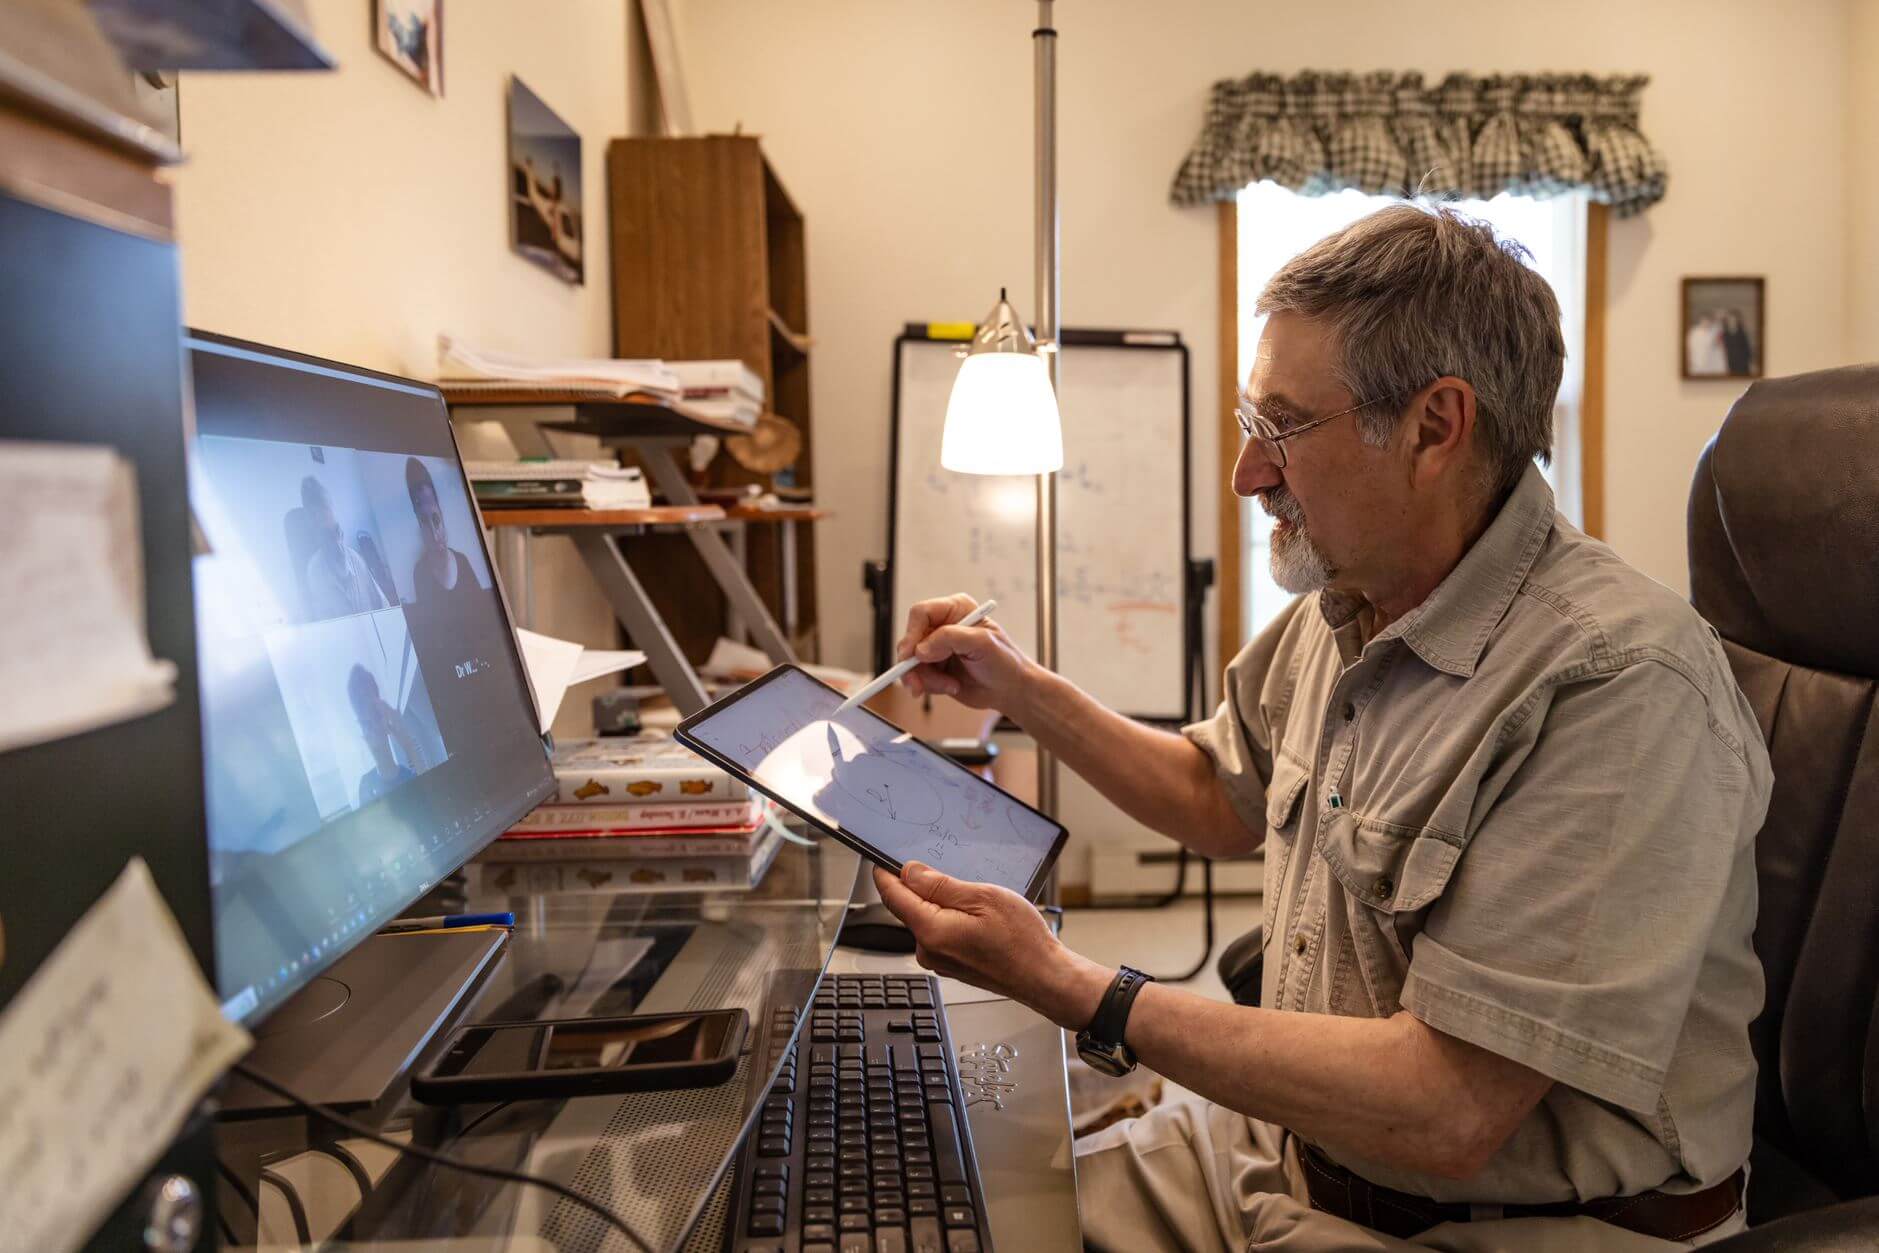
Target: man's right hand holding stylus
976 665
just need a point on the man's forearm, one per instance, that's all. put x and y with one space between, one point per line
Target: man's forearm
1156 777
1390 1090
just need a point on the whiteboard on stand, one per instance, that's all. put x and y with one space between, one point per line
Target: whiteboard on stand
1122 521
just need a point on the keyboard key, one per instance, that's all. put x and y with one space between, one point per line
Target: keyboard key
890 1216
890 1240
962 1240
926 1236
857 1242
818 1196
919 1205
766 1225
956 1196
960 1216
818 1214
769 1187
773 1146
818 1231
855 1205
948 1160
767 1205
855 1222
772 1170
819 1179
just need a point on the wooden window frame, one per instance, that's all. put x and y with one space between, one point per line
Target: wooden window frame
1591 413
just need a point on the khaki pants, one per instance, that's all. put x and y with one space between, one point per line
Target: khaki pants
1191 1175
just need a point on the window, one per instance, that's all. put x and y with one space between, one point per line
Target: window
1275 224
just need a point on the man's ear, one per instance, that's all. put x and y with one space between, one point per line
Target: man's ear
1441 436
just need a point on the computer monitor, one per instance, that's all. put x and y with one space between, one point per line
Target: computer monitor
367 724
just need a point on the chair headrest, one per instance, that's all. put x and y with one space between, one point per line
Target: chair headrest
1784 521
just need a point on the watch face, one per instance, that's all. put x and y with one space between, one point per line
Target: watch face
1113 1060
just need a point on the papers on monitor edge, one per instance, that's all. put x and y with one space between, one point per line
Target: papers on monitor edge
73 652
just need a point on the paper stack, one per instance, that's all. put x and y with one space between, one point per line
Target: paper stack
577 484
724 394
726 391
459 364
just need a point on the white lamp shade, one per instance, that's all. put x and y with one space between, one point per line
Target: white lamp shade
1002 418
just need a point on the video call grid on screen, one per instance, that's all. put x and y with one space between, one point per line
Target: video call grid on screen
875 783
366 724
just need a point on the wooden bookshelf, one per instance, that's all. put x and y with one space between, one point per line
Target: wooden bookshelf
707 250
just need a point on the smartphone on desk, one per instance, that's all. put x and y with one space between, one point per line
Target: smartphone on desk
565 1057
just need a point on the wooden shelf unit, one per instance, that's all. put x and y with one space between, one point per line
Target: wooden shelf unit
708 262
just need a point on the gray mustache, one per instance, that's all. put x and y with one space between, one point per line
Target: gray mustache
1282 505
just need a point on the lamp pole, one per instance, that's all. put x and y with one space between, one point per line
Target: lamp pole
1044 49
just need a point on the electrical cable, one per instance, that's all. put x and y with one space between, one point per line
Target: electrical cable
338 1119
1197 689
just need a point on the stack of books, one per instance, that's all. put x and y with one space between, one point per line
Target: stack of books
636 813
538 483
720 391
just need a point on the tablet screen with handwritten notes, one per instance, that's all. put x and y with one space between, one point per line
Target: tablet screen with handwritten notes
871 784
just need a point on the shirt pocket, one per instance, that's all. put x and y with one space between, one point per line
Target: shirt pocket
1290 781
1390 874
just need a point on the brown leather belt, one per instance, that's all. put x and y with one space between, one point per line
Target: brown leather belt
1665 1215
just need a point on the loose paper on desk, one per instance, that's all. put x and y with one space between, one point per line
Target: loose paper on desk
102 1055
73 653
556 665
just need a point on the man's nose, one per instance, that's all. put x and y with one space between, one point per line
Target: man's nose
1255 470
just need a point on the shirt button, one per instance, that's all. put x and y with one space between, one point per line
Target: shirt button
1298 945
1384 887
1350 711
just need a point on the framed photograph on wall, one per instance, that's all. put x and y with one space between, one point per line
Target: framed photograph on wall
1723 335
410 34
544 186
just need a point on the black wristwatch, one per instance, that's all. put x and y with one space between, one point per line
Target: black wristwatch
1100 1044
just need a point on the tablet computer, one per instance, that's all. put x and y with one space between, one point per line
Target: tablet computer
871 785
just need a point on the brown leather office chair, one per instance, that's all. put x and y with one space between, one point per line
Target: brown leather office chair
1784 562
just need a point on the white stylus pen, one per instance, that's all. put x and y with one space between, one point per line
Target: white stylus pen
893 674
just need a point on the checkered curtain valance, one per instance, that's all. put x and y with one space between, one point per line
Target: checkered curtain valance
1386 133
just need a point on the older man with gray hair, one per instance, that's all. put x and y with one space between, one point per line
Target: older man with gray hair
1508 793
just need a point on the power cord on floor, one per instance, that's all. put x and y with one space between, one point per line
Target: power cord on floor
441 1159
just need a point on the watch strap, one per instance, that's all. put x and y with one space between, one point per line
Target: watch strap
1112 1014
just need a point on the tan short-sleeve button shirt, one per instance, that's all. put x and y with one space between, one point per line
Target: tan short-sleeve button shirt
1525 813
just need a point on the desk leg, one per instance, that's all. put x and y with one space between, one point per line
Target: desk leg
740 548
718 557
792 614
512 553
634 608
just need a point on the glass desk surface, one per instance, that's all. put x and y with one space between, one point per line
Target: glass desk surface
654 1158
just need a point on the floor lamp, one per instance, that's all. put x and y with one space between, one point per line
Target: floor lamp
1002 417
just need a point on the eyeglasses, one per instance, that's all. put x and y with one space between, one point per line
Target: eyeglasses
1253 422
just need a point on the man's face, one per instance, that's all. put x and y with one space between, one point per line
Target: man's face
1334 502
430 518
325 525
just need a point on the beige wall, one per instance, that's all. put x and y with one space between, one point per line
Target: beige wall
1862 159
904 133
351 215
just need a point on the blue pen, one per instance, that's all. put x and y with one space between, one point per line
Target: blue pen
451 920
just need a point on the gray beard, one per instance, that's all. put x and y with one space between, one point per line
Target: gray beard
1297 564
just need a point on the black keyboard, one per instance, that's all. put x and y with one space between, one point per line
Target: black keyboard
862 1145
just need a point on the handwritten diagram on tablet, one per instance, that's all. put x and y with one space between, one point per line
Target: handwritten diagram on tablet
861 775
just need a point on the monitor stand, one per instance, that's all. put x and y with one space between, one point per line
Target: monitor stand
346 1037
